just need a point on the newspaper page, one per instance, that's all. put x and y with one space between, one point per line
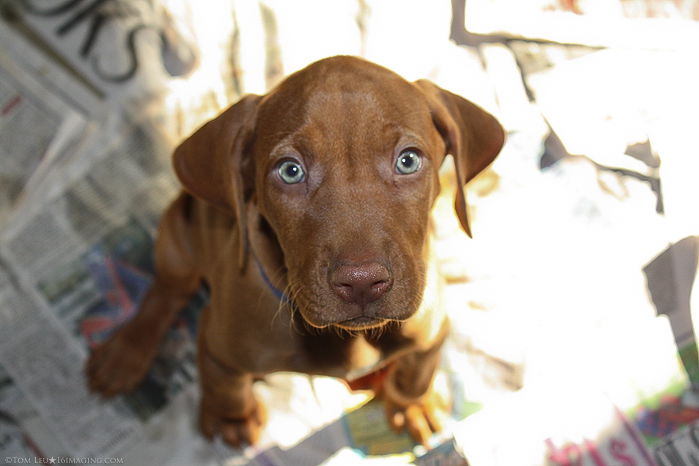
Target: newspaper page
629 397
83 259
649 24
613 124
33 374
119 49
76 257
41 361
57 80
37 130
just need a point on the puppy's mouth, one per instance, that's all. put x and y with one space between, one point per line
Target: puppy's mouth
361 323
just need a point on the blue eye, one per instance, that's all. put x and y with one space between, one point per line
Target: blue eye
291 172
409 161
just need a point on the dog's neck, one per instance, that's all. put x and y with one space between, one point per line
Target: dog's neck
266 253
283 297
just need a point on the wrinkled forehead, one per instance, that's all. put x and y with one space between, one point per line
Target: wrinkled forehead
344 103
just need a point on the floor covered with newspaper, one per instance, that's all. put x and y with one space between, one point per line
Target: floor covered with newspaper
573 340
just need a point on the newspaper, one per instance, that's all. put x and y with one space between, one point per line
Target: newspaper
84 259
75 255
647 24
119 49
37 130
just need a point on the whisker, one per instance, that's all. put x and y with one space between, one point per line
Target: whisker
285 292
294 291
283 302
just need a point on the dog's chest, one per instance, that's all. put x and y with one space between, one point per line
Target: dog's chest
346 356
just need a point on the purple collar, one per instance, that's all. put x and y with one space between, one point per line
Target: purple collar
276 291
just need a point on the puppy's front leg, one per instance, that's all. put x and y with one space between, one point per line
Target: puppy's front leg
409 399
228 405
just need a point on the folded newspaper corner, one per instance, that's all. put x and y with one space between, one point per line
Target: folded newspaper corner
573 340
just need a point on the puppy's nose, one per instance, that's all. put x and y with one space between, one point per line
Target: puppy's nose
361 284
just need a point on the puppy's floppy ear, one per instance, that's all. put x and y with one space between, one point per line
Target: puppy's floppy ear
472 136
209 162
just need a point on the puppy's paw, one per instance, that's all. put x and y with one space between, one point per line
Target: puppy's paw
234 431
120 364
421 417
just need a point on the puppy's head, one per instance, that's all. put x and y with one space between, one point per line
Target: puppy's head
341 161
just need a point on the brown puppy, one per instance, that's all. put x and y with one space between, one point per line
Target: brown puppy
323 189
